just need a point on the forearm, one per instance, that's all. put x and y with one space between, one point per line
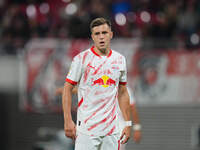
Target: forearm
124 104
125 109
67 101
59 91
135 116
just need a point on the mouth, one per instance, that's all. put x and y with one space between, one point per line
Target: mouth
101 43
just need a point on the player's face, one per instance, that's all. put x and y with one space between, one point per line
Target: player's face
101 36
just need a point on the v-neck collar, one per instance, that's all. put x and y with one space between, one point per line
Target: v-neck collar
92 49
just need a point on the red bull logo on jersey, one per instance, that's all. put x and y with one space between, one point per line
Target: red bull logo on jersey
104 81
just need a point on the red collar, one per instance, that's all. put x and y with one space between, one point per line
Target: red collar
92 49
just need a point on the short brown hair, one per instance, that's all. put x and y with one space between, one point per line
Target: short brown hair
98 22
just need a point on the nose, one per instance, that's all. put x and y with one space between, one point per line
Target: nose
101 36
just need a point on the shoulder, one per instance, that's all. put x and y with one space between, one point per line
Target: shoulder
119 57
117 54
82 54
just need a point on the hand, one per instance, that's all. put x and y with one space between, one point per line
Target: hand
126 132
137 136
70 129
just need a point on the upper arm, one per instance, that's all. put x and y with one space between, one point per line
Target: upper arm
68 87
123 98
122 91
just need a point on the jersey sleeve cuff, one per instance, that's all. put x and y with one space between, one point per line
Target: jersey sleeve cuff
70 81
123 83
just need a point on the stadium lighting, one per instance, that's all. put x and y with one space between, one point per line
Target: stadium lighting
71 9
194 38
120 19
31 11
145 16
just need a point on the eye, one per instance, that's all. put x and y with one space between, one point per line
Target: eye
97 33
104 32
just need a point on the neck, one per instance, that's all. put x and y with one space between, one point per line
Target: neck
102 52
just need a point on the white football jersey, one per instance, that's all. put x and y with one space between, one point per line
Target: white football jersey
98 78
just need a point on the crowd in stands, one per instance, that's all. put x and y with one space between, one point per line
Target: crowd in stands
150 20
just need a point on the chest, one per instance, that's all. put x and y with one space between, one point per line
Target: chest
102 72
102 67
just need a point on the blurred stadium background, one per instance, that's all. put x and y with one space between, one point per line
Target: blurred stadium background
160 38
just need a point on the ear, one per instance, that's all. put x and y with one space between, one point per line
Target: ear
111 35
92 37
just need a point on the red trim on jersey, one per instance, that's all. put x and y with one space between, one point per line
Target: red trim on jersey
109 107
113 118
102 121
109 123
95 125
84 56
110 53
99 68
123 83
92 49
70 81
80 102
94 113
111 131
118 144
87 71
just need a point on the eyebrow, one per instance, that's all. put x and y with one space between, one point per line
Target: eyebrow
104 32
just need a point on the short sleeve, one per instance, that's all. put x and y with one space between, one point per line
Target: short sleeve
74 73
123 75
